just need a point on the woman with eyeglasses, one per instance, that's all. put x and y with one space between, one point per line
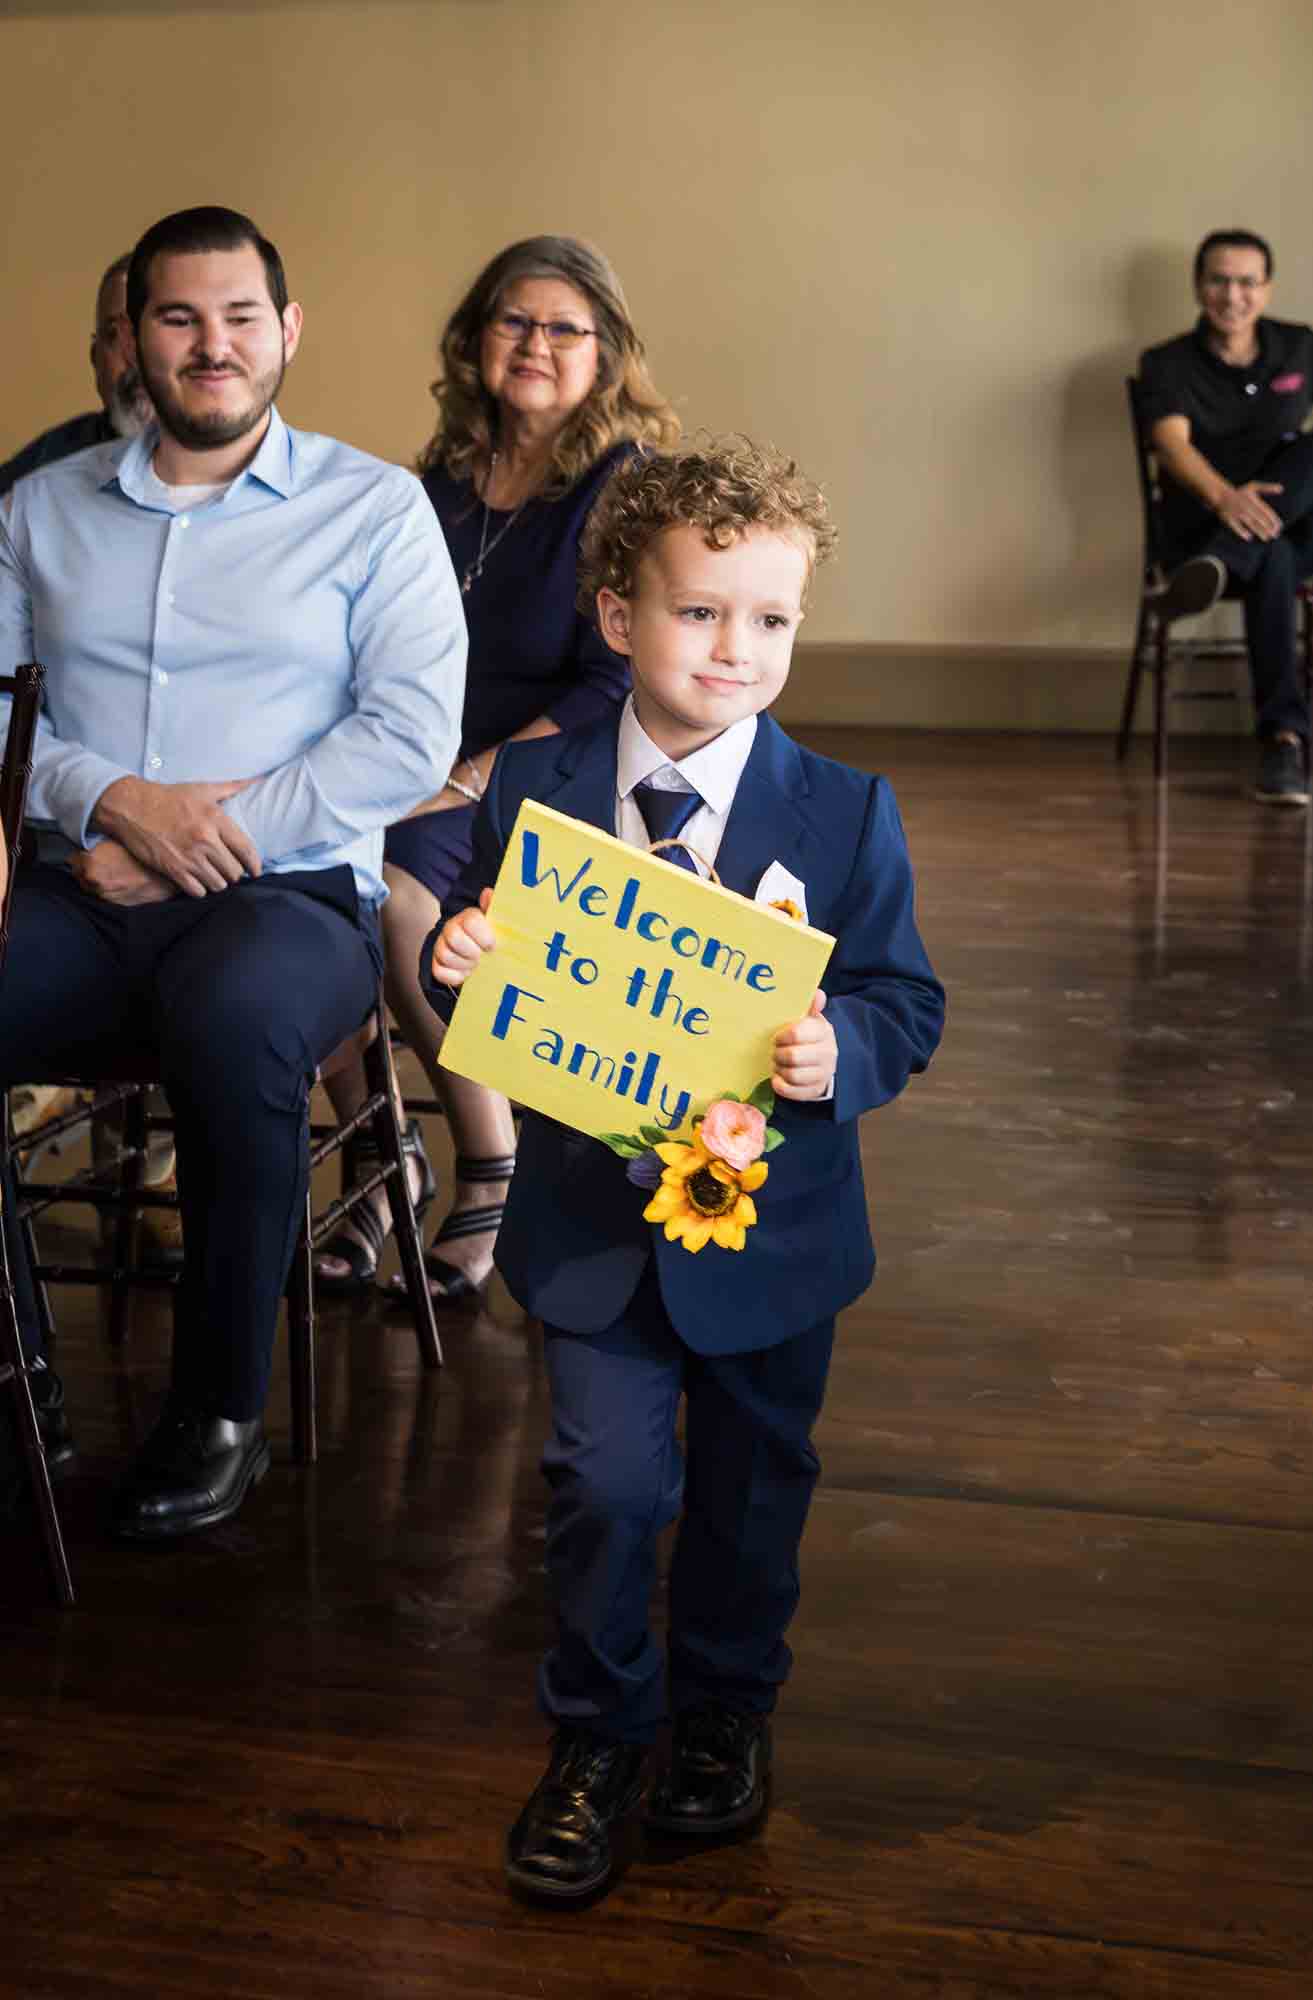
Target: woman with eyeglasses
543 391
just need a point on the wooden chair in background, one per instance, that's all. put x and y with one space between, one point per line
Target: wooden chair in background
1155 651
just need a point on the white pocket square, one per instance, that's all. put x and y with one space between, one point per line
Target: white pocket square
778 886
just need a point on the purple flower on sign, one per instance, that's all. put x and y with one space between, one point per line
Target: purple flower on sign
645 1171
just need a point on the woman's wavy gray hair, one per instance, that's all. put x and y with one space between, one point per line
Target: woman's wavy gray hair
622 406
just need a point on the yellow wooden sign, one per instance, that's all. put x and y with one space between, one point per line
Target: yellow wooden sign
624 992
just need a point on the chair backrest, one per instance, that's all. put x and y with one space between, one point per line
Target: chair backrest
1151 494
23 689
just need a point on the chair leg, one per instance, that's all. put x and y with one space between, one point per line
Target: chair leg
380 1078
127 1223
14 1371
301 1346
44 1314
1160 702
1130 699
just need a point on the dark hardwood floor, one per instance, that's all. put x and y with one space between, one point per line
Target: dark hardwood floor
1050 1732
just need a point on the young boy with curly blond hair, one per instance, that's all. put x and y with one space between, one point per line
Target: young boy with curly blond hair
696 564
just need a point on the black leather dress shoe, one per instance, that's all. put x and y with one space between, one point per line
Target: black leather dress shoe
193 1472
718 1779
560 1846
1192 589
52 1419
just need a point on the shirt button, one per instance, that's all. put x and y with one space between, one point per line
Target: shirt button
1251 388
172 599
184 521
161 678
153 763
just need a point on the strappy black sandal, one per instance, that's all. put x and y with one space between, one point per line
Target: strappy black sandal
362 1258
457 1289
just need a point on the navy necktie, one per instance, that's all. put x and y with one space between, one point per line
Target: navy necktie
665 815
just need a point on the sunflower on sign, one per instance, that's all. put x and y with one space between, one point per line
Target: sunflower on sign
702 1187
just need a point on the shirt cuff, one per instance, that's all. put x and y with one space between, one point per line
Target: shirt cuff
71 796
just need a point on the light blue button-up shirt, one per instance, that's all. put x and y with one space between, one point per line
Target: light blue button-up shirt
304 630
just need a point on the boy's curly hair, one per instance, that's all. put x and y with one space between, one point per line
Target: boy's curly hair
722 485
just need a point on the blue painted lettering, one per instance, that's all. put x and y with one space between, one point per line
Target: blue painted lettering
581 1053
532 876
672 1120
506 1012
733 960
625 907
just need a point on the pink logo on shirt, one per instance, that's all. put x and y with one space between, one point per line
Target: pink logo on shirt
1286 385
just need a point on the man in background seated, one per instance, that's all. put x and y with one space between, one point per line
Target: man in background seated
254 656
125 407
1223 408
125 412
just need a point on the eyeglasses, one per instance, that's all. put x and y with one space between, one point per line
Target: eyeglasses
1214 281
558 333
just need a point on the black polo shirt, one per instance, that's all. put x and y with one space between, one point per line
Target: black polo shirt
1236 415
78 434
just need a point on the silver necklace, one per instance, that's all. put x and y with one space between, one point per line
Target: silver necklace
474 570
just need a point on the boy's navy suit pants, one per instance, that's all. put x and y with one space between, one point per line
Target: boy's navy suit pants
742 1486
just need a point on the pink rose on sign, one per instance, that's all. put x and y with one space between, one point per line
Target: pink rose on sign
734 1133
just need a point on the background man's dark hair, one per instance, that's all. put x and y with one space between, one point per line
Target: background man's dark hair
193 229
1219 239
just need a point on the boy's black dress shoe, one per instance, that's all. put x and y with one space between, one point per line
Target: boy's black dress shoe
718 1779
560 1846
193 1472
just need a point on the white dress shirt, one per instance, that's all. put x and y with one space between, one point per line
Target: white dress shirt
713 772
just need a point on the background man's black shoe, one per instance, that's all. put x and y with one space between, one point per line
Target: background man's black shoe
51 1417
193 1472
561 1845
718 1779
1282 777
1193 589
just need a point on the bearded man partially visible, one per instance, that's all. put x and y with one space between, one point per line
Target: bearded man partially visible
125 407
255 654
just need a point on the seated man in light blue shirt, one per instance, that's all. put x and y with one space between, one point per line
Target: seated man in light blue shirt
255 659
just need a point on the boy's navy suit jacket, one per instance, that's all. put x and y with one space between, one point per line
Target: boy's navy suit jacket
574 1244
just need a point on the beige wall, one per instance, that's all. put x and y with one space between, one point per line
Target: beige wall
920 245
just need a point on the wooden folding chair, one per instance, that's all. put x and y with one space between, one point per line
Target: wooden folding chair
1155 651
113 1187
24 689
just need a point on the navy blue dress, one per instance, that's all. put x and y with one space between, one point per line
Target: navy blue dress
531 652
